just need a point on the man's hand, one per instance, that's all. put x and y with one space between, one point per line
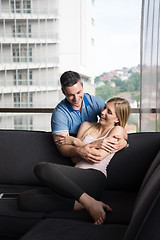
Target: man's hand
87 154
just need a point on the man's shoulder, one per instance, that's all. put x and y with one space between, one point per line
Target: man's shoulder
93 99
89 96
61 104
61 107
60 110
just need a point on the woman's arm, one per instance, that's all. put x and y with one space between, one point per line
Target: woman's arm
113 142
116 133
69 140
75 141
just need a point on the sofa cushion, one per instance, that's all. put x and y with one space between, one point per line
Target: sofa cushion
122 204
60 229
129 166
13 222
21 151
145 219
154 165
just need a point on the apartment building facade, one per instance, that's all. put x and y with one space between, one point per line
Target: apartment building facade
39 40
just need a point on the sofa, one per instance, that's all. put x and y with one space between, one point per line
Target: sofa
132 190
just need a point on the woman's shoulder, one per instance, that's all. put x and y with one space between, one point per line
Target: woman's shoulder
84 126
118 130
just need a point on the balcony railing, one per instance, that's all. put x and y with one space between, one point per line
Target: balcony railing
9 118
33 35
32 11
24 59
49 110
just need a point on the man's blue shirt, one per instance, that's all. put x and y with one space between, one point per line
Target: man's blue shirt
66 119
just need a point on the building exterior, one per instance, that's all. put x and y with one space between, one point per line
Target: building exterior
39 40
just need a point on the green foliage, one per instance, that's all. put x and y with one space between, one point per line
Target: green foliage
132 85
135 81
96 80
136 96
106 92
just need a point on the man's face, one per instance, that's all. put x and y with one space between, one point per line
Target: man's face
74 95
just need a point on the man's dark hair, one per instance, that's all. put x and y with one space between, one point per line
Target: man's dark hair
69 78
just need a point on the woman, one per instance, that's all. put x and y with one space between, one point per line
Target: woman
80 186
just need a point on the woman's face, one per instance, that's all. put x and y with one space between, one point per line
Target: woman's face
108 114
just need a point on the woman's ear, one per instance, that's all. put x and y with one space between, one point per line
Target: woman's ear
116 121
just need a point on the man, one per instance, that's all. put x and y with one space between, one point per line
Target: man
76 108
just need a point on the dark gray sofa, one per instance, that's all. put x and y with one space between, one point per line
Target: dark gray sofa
132 190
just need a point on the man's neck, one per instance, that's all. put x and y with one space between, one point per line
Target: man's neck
78 108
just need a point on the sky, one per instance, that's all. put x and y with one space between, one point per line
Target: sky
117 34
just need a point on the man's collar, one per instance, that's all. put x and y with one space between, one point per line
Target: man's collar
85 103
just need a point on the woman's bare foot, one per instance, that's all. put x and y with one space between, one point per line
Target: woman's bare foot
95 208
97 212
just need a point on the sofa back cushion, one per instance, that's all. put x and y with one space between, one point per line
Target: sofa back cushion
144 223
153 166
20 151
129 166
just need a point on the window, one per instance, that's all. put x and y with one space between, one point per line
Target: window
16 55
22 54
23 100
19 6
23 122
150 56
16 6
27 6
21 31
22 77
16 98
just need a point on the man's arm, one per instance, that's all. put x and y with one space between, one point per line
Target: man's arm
77 152
84 151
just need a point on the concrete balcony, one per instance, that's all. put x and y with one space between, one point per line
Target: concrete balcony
32 89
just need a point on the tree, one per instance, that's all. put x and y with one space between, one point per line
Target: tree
106 92
131 85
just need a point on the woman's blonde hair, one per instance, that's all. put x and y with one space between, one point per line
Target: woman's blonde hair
122 110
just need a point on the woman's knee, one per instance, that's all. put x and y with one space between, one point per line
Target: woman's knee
41 169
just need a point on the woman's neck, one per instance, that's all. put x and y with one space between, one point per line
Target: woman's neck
104 129
101 130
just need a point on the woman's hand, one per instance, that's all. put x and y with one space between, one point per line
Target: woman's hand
111 144
64 139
